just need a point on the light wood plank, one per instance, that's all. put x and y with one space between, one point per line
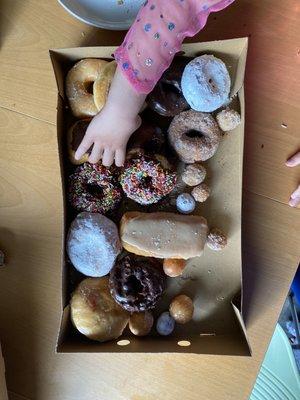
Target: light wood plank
30 233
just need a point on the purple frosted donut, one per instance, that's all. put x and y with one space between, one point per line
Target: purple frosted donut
146 181
94 188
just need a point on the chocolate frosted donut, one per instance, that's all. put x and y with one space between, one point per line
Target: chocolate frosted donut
167 98
94 188
148 139
75 136
137 283
195 136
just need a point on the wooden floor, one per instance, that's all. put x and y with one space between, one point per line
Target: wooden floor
31 206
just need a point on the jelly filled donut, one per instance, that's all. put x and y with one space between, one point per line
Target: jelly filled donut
94 188
79 82
206 83
75 136
167 98
195 136
146 180
137 283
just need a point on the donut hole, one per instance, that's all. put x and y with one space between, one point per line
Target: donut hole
192 133
94 190
132 286
89 87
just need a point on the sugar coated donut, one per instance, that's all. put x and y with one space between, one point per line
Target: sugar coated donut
185 203
146 180
75 136
78 83
94 313
93 244
216 239
102 84
206 83
228 119
193 174
195 136
94 188
201 192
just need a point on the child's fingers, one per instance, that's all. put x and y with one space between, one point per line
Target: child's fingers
295 198
83 147
293 161
120 157
108 157
96 153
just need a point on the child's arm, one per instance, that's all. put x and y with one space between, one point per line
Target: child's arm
147 51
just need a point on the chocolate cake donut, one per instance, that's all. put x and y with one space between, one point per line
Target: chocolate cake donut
137 283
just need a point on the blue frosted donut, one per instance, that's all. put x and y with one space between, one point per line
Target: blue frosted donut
206 83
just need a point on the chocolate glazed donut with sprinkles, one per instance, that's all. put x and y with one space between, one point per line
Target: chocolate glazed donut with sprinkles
94 188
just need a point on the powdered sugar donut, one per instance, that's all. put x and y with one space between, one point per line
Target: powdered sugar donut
93 244
206 83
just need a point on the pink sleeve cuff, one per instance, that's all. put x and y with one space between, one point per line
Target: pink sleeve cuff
157 35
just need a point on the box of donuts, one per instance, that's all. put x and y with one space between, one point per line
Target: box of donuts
151 258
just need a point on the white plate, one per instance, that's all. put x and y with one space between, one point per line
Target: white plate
108 14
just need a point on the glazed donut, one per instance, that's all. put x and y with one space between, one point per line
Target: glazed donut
146 180
94 313
137 283
75 136
94 188
78 81
195 136
167 98
206 83
102 84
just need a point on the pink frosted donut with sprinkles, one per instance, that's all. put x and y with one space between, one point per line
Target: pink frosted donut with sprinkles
94 188
146 181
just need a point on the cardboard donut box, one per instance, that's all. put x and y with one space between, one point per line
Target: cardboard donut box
214 280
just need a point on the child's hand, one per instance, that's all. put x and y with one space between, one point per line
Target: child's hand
108 133
110 130
295 196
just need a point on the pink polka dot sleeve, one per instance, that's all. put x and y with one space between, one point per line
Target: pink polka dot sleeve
157 34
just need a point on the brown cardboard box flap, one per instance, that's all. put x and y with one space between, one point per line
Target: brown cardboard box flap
212 280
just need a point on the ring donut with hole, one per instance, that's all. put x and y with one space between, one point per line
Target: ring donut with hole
195 136
206 83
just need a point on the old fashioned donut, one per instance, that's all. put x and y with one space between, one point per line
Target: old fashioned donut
102 84
195 136
206 83
147 180
137 283
75 136
78 83
167 98
94 313
94 188
93 244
